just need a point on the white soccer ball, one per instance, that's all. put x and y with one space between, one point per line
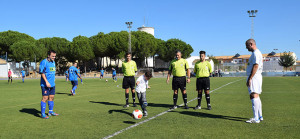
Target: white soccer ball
106 80
137 114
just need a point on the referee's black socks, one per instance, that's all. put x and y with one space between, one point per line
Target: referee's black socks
175 97
199 99
133 97
207 99
184 98
127 97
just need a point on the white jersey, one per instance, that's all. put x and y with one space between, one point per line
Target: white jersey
143 84
256 58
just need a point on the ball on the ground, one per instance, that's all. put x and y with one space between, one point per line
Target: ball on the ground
106 80
137 114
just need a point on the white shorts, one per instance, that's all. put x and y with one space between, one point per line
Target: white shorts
255 85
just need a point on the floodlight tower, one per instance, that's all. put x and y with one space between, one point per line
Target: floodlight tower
129 40
252 14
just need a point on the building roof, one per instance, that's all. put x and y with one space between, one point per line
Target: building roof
247 56
2 61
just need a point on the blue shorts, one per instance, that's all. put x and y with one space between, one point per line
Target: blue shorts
23 76
114 76
46 91
101 75
74 83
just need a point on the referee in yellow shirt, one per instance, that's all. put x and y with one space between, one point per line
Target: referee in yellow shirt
178 68
129 69
203 70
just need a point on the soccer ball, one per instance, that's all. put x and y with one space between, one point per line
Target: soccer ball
106 80
137 114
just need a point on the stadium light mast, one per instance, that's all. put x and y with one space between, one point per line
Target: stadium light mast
252 14
129 40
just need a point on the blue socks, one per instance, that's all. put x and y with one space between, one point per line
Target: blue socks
51 105
43 107
23 80
74 88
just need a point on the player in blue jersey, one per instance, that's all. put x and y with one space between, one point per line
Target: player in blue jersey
101 73
47 71
66 74
114 74
23 74
73 75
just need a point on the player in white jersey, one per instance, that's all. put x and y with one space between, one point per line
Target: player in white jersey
141 86
254 80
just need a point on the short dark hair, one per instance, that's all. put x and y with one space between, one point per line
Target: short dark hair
51 51
202 52
177 51
128 53
250 41
148 74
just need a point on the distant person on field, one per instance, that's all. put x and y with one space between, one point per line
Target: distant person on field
254 80
9 76
66 74
114 74
203 70
101 73
23 74
73 75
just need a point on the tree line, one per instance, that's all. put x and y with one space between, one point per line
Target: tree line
114 45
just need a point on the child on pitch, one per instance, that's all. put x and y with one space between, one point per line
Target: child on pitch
141 86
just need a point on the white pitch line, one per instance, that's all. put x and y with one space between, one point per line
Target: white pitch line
160 114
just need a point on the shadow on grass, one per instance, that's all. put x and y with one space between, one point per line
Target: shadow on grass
120 111
32 111
107 103
59 93
128 122
160 105
208 115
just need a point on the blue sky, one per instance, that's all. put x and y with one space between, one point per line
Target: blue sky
220 27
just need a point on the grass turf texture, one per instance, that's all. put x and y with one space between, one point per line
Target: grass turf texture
96 111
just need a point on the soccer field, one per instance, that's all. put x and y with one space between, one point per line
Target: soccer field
96 111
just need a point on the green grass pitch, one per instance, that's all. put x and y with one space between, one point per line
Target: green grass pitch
96 111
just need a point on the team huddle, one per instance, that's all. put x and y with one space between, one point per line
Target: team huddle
179 68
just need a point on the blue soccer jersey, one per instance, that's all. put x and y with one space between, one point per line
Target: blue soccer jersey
114 72
23 73
47 68
73 73
102 72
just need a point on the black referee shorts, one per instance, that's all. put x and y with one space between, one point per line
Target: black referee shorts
203 83
179 82
128 81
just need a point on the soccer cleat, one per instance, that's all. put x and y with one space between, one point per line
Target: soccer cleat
145 113
261 118
134 105
125 106
72 93
53 114
252 120
174 107
186 107
197 107
209 107
44 116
